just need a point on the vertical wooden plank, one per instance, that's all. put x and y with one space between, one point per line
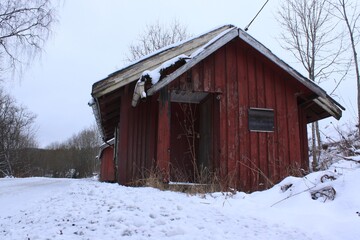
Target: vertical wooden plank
182 82
141 140
232 113
294 131
262 161
282 127
254 143
147 136
244 138
123 143
206 133
197 77
113 164
303 140
109 154
152 133
107 160
142 136
102 169
216 135
131 145
219 70
163 136
201 76
209 73
220 85
132 160
270 137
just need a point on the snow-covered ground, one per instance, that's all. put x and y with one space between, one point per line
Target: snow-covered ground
43 208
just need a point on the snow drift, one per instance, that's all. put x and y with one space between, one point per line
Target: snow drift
42 208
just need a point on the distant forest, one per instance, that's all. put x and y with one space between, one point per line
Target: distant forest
74 158
57 163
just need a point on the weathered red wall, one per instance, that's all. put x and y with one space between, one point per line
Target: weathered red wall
251 160
107 166
137 138
241 78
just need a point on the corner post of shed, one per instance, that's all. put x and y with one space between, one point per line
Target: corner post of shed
163 136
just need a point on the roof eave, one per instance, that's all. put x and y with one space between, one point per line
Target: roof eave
324 100
266 52
96 111
328 105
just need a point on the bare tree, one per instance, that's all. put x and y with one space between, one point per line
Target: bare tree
309 33
349 13
16 132
78 153
156 36
24 28
85 139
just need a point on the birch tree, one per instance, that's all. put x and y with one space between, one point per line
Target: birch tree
25 26
309 33
349 13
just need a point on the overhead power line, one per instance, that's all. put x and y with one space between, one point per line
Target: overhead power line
247 27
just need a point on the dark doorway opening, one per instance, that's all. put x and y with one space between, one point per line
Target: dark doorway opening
192 141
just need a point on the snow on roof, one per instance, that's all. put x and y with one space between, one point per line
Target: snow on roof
173 45
155 74
132 72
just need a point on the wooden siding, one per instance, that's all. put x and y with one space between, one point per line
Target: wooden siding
107 170
137 138
237 78
243 79
163 137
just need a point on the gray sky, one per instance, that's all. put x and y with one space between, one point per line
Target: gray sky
91 41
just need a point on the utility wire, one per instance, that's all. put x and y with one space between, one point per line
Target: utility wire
247 27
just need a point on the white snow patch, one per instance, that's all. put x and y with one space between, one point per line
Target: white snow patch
155 73
42 208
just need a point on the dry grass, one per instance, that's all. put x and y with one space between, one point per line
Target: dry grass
206 182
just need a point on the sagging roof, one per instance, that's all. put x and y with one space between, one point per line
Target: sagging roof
132 72
198 48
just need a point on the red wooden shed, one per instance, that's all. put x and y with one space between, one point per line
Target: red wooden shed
220 104
107 162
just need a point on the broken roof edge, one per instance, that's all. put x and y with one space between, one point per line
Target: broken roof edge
103 86
168 47
327 102
213 45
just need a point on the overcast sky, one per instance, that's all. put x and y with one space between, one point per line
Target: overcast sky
91 40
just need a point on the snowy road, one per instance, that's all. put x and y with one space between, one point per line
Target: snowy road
41 208
18 195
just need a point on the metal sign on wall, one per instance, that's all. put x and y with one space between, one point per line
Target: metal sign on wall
261 120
